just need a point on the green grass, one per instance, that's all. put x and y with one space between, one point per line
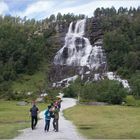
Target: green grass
14 118
33 82
29 82
106 122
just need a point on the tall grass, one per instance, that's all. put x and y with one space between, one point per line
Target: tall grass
14 118
106 122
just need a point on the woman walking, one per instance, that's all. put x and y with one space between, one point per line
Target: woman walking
47 119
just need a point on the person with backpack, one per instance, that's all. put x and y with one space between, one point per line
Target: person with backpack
47 118
34 119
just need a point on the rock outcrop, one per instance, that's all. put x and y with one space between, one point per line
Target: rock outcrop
93 30
69 62
82 55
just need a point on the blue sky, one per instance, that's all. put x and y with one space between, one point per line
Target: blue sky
39 9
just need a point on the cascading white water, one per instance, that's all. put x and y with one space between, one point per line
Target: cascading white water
78 51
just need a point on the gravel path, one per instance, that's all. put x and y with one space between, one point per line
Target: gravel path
67 130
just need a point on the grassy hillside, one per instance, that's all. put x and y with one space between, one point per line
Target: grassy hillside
32 83
106 122
29 82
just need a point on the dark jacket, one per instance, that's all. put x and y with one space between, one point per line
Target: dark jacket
34 110
56 113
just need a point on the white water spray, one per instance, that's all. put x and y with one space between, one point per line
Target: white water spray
78 51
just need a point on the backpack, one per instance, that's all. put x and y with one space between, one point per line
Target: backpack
34 111
47 115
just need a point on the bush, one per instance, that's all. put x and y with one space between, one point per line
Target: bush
112 92
135 85
103 91
74 89
130 100
69 92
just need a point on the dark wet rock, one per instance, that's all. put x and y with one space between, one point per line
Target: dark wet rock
21 103
65 53
59 72
95 103
95 35
40 100
93 30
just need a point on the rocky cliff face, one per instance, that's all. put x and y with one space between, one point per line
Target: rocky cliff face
93 30
77 56
80 54
58 40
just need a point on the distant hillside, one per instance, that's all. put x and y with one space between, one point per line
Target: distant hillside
25 45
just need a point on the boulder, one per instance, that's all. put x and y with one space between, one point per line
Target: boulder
40 100
22 103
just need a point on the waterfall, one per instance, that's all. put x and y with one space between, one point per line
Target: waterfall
77 50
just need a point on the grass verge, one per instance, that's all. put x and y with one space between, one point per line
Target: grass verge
14 118
106 122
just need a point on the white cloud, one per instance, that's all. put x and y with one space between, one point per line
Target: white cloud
89 8
42 8
36 10
3 8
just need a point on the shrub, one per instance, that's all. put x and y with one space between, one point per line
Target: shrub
135 85
69 92
130 100
112 92
103 91
74 89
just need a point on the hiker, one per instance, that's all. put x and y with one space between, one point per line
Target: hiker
47 118
34 112
55 103
56 118
59 103
52 110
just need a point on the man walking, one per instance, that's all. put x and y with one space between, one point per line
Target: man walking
56 118
34 112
